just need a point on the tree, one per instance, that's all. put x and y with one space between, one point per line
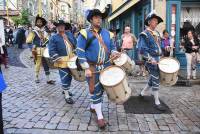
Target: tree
23 19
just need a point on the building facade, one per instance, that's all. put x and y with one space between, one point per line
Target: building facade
173 12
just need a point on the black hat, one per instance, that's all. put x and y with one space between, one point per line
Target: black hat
95 12
113 29
68 26
60 22
44 22
150 16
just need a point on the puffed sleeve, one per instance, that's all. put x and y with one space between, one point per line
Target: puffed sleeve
53 49
80 50
143 47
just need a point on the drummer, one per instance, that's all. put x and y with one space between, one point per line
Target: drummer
38 38
149 46
94 57
61 46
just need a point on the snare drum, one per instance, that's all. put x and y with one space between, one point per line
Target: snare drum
47 58
169 68
77 74
125 62
114 81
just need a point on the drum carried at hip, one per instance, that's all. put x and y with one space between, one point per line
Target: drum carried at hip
114 81
48 59
169 68
77 73
125 62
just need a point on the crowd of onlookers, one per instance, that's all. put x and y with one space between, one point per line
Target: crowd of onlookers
190 45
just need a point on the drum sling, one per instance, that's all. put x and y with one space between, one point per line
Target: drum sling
93 65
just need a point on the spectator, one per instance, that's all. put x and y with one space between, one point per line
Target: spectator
192 47
8 35
128 42
3 50
115 38
165 44
2 82
20 37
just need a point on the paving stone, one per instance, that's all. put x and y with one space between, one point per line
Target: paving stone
113 128
51 126
73 127
153 126
133 126
83 127
163 128
143 126
93 128
40 124
123 127
174 127
62 125
55 119
29 125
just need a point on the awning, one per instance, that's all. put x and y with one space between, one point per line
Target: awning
123 9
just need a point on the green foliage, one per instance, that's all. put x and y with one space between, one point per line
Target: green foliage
23 19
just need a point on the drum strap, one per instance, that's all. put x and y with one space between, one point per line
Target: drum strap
68 45
100 39
92 79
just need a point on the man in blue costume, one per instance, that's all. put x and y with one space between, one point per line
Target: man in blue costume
94 48
61 46
149 46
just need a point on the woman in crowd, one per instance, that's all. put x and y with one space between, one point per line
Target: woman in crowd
165 44
128 42
192 48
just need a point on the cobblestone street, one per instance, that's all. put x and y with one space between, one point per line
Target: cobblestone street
30 108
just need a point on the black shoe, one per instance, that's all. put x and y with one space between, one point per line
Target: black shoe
51 82
69 100
141 97
70 94
37 81
160 107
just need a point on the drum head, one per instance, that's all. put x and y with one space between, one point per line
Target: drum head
112 76
169 65
121 60
46 53
72 62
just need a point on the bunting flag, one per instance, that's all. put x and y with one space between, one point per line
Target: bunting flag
7 10
2 83
40 8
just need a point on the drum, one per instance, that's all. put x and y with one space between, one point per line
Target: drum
169 68
125 62
78 75
114 81
48 59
